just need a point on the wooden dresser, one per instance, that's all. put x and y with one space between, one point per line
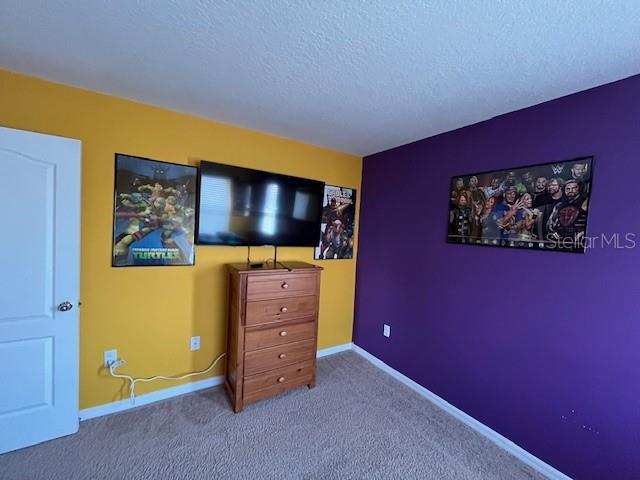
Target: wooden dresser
272 330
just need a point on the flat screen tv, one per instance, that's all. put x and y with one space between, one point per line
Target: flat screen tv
242 206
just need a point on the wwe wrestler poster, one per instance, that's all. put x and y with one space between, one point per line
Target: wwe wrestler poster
541 207
155 207
336 230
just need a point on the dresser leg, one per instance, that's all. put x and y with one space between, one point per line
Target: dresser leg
312 384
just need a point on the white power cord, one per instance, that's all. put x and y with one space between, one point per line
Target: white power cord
133 381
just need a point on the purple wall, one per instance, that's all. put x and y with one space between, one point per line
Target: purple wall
533 344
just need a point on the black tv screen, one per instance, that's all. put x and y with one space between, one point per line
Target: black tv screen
242 206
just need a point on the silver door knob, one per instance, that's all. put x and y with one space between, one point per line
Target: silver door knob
65 306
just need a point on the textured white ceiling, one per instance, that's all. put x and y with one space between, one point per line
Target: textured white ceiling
357 76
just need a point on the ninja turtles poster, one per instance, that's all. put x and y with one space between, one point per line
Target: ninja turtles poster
155 207
336 230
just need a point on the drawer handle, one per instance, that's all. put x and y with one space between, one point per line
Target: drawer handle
285 285
281 379
284 309
282 355
283 333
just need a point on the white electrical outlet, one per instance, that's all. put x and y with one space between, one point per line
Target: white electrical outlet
195 344
110 356
386 331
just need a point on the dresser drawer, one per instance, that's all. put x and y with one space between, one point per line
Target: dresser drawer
266 359
255 339
266 287
268 311
295 373
276 390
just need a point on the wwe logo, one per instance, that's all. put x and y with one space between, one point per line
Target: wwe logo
557 169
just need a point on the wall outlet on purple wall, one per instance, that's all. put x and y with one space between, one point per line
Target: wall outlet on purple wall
549 362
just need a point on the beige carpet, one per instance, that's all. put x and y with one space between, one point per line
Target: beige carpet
358 423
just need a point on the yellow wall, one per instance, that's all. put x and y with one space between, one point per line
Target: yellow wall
149 313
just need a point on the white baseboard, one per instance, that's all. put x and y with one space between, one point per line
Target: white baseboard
147 398
331 350
165 393
495 437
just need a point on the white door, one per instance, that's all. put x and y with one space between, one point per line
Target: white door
39 272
